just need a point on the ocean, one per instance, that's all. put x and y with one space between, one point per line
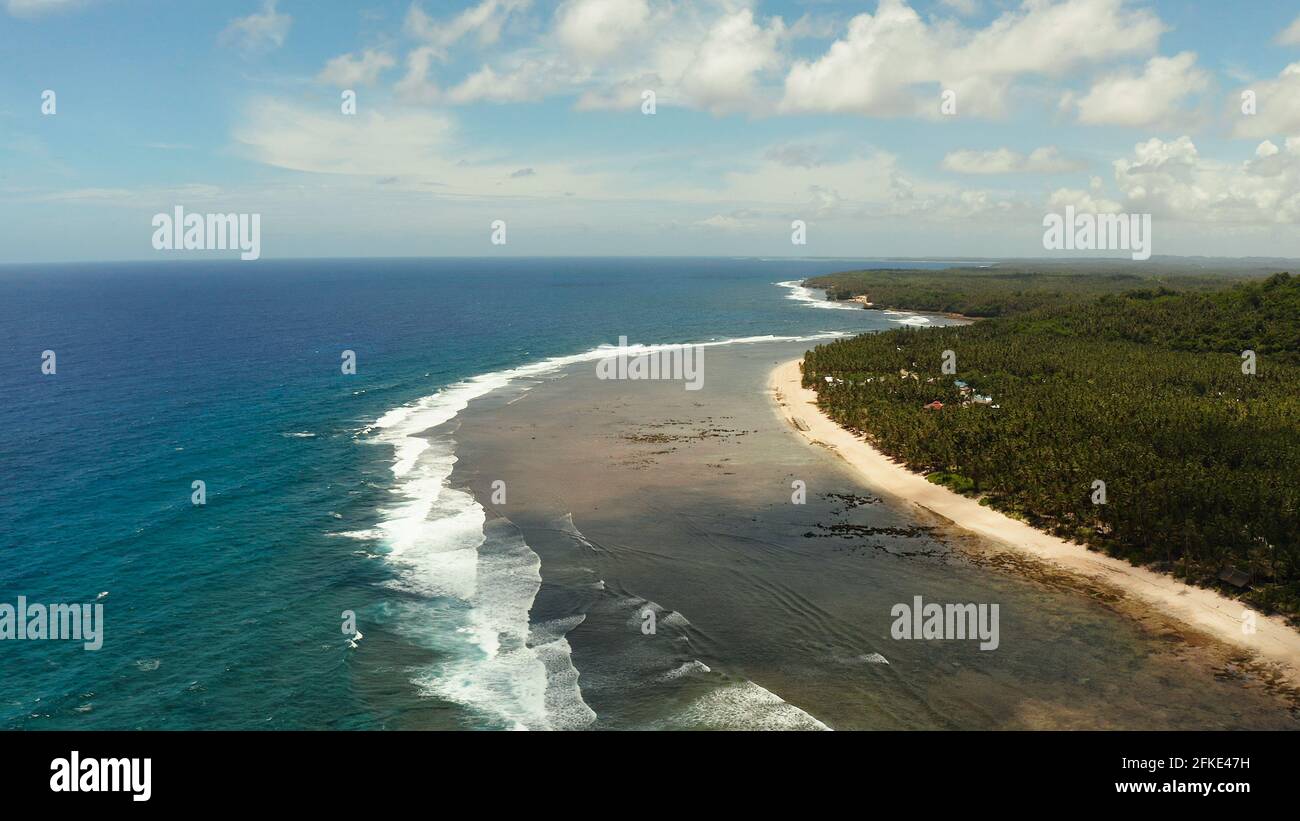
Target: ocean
321 496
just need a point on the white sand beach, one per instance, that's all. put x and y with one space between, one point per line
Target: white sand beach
1220 617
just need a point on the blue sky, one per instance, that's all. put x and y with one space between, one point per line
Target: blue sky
531 112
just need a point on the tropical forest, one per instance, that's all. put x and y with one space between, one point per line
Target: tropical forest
1157 420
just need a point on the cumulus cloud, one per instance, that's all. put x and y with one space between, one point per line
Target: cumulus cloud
1173 182
1083 202
350 70
1153 97
1276 107
895 63
724 56
1172 179
606 53
597 29
260 31
722 73
1045 160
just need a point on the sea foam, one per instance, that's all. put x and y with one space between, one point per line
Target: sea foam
811 298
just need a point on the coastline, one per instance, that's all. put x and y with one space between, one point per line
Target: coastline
1220 617
636 495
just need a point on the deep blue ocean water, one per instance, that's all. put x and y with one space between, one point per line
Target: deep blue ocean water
227 615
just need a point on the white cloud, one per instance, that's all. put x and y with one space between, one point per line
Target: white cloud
350 70
1277 109
484 22
861 187
625 95
486 84
260 31
1172 179
1153 97
712 57
872 69
420 151
371 143
1290 36
597 29
723 72
723 56
1045 160
607 52
415 85
408 149
894 63
1084 202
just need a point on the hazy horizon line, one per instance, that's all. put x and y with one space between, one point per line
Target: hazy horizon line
956 260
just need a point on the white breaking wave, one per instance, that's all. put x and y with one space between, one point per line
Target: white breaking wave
907 318
811 298
434 535
499 665
373 534
746 706
692 666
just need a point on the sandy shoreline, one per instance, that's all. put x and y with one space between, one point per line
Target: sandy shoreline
1220 617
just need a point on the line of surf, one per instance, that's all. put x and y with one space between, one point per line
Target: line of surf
809 297
481 589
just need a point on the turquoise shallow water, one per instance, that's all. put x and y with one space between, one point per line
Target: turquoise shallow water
227 615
